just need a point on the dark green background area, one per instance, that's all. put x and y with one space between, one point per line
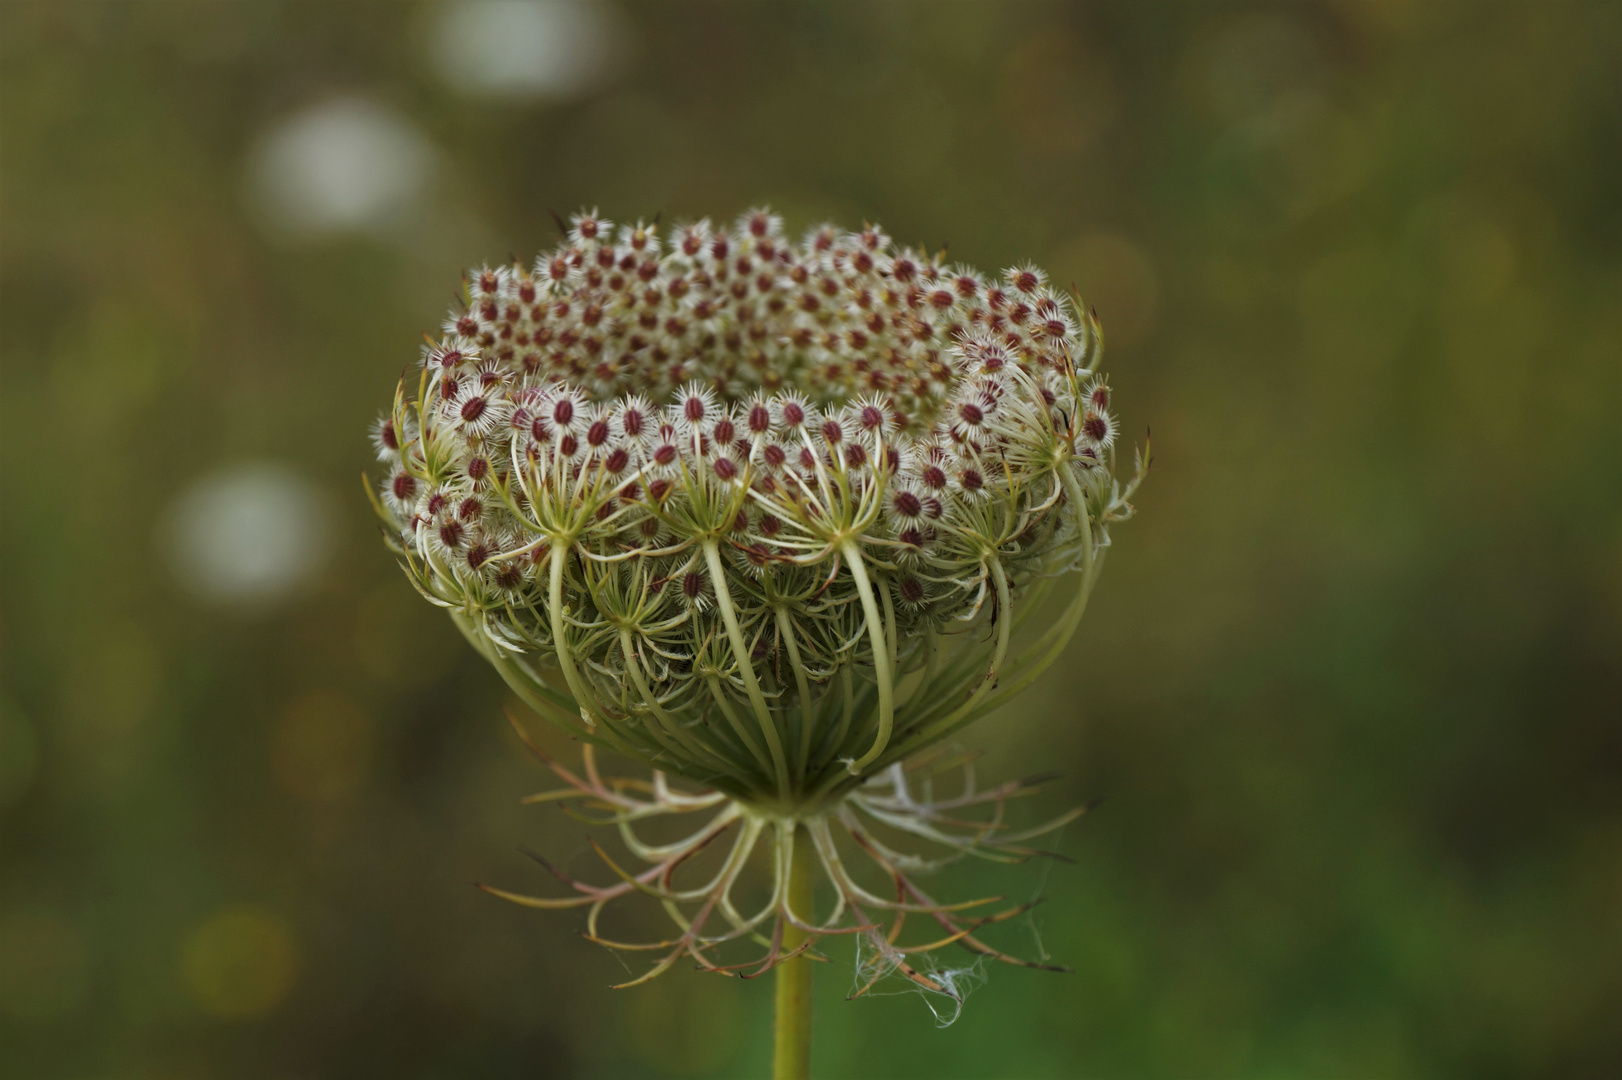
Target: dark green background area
1349 687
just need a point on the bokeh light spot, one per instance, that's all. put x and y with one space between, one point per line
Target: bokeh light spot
346 165
248 534
524 48
240 963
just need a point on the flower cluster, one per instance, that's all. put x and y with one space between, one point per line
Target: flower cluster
722 504
767 516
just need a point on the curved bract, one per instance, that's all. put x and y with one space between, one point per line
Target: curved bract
765 515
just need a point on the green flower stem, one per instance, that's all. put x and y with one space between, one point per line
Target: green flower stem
932 657
696 752
791 1051
881 658
571 675
746 667
546 701
834 737
738 726
957 682
802 685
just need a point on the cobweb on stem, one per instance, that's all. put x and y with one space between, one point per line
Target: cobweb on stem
877 975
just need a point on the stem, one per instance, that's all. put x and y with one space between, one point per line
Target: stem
785 627
1004 633
559 642
746 668
737 725
791 1052
881 659
697 752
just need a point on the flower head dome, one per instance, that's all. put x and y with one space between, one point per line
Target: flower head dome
757 512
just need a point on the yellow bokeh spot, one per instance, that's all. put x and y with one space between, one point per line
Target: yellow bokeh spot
241 963
321 750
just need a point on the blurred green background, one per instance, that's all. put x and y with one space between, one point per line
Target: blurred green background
1349 688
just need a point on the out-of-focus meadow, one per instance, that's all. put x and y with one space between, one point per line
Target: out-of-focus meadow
1348 690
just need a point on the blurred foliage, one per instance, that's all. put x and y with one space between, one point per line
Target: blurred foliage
1350 686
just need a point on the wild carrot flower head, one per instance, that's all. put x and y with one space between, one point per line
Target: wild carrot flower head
756 511
762 514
